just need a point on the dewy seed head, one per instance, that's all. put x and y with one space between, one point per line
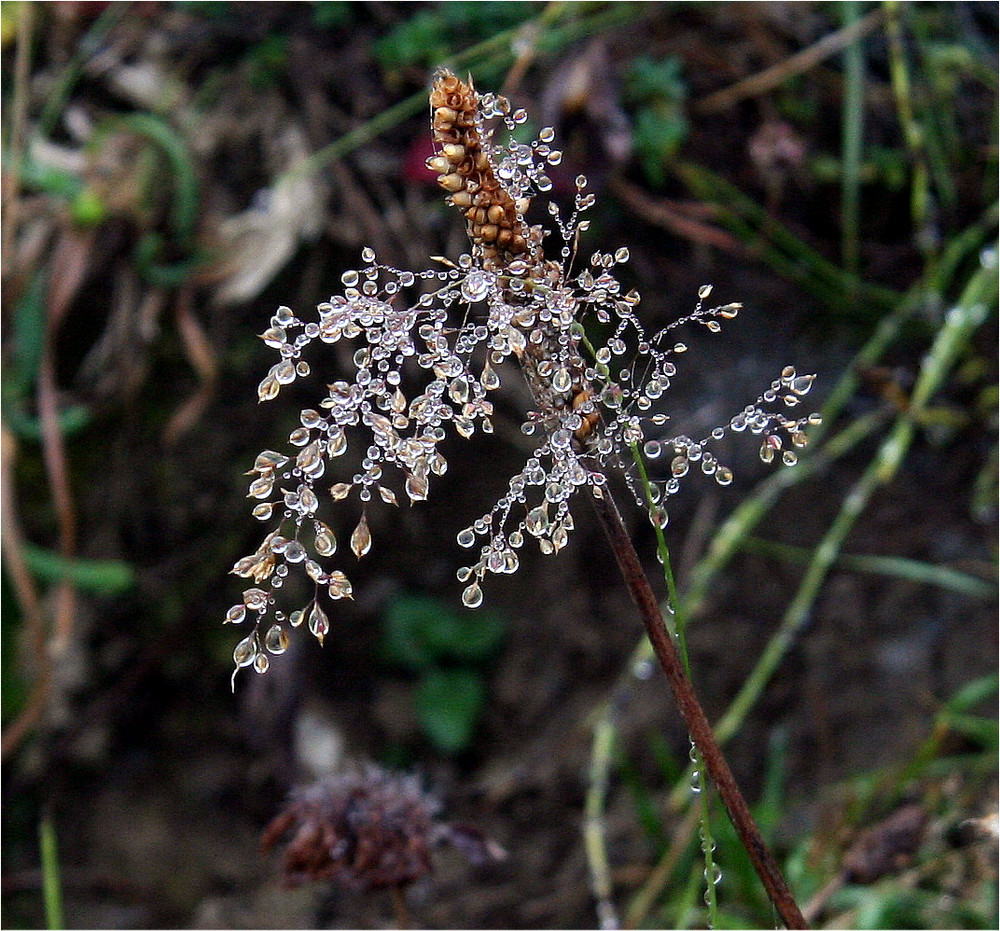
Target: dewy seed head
504 301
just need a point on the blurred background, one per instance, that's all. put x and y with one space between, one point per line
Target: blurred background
172 172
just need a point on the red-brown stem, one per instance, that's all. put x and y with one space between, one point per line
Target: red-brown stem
694 717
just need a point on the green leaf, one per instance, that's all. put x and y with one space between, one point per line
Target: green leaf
449 702
973 693
100 576
421 631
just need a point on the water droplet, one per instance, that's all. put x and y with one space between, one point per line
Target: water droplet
679 466
475 286
261 487
789 458
562 380
274 337
417 487
349 279
319 623
236 614
276 640
472 597
246 650
466 538
724 476
802 384
325 542
361 538
658 516
537 521
489 379
652 449
704 291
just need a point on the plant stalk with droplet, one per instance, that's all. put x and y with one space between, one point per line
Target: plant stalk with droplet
592 406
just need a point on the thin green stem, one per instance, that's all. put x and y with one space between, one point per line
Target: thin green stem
852 143
694 716
499 46
593 824
675 621
895 566
961 322
51 883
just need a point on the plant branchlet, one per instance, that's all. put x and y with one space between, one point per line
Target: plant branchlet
429 350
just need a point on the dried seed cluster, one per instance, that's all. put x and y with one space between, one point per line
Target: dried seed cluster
368 829
428 348
495 221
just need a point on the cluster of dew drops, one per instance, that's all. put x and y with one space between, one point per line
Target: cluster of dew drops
451 330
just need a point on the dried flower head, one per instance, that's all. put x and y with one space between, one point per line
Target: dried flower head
430 348
367 830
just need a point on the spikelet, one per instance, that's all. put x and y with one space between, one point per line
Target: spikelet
494 220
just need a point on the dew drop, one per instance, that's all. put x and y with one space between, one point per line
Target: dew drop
472 597
562 380
802 384
361 538
246 650
475 286
236 614
319 623
276 640
658 516
466 538
704 291
325 542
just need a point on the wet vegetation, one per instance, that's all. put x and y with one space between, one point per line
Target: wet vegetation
175 172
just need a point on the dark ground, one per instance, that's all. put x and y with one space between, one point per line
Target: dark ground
159 779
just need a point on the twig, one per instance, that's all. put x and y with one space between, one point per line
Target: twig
694 717
802 61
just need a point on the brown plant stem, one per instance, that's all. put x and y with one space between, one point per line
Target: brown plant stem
691 710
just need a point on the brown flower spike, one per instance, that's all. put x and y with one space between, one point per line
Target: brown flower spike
495 222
